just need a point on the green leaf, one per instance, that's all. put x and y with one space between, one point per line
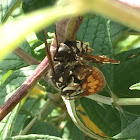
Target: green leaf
38 48
50 88
104 116
7 124
29 5
2 75
131 131
127 73
5 76
135 86
72 132
40 35
128 42
13 62
13 82
95 31
7 89
117 30
137 137
127 118
8 7
39 126
76 133
33 105
30 108
35 137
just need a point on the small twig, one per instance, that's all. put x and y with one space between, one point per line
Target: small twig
101 99
60 117
128 101
25 57
119 101
29 126
35 136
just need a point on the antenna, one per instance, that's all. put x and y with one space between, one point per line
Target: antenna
56 39
48 53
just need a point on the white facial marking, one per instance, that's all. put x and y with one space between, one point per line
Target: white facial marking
79 46
61 79
70 72
57 84
68 88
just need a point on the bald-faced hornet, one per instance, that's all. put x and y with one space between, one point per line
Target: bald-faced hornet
73 75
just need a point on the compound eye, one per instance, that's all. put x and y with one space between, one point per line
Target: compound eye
63 50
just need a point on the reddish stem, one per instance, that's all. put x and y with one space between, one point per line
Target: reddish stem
24 89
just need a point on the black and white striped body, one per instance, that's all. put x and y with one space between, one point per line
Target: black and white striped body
67 57
74 76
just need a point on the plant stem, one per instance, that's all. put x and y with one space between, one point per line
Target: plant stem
24 88
118 101
25 57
